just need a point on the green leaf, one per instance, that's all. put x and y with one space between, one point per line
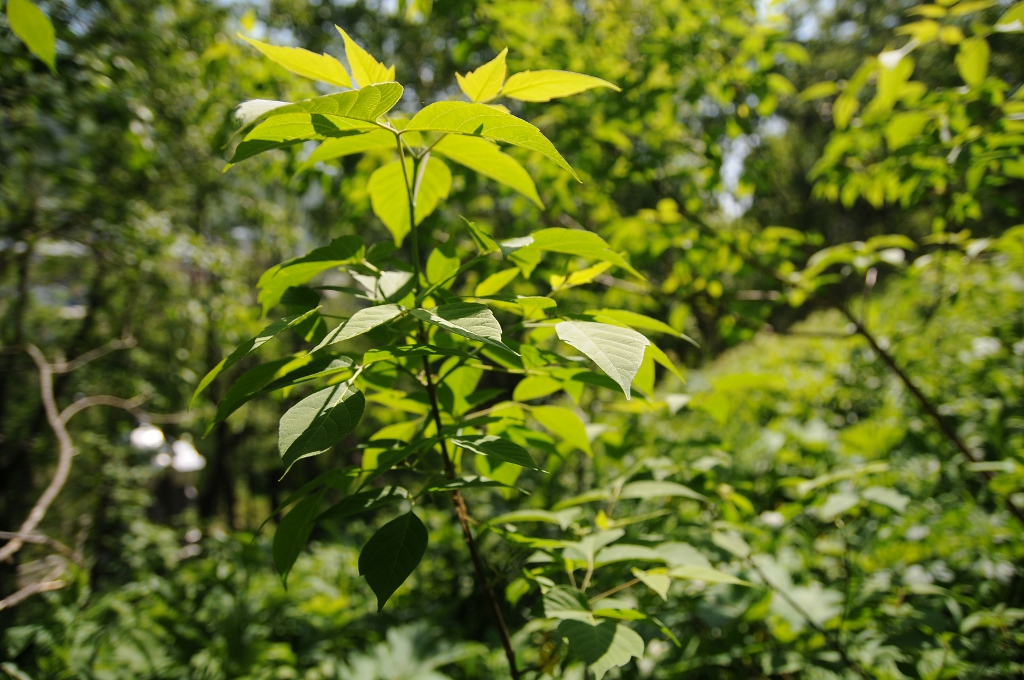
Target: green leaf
293 533
248 347
388 193
334 115
391 555
322 67
887 497
484 83
367 104
490 161
484 243
364 501
626 552
562 602
819 91
602 645
441 268
563 519
393 353
635 320
279 278
904 127
29 23
339 147
571 242
318 422
362 321
656 580
731 542
565 423
468 319
495 282
481 120
972 60
660 357
617 351
543 86
694 572
653 489
498 448
535 387
366 70
260 380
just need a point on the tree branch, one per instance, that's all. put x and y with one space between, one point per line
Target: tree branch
49 582
929 407
66 451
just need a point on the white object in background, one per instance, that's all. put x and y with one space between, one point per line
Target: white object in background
147 437
186 458
161 460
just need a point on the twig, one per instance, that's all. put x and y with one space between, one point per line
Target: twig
943 424
93 354
66 452
612 591
40 539
49 582
831 640
462 513
130 405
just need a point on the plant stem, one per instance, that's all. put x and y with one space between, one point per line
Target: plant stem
459 503
462 512
943 424
832 641
414 241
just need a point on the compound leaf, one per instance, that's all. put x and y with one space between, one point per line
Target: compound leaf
481 120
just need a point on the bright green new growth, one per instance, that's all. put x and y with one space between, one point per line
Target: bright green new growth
431 338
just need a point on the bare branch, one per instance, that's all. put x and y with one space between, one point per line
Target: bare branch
40 539
130 405
93 354
66 452
49 582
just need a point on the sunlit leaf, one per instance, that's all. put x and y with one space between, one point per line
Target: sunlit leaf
339 147
487 159
485 82
564 423
485 121
972 60
617 351
276 280
247 347
602 645
318 422
542 86
498 448
365 69
322 67
389 195
655 489
468 319
361 322
29 23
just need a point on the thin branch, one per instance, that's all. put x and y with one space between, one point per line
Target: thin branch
830 639
929 407
612 591
93 354
40 539
49 582
66 452
130 405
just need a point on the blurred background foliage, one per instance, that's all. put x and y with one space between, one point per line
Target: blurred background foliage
766 167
